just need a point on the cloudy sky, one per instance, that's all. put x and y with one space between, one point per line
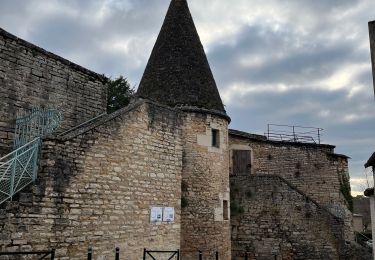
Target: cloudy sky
295 62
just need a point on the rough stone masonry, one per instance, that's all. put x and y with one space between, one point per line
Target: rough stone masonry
98 182
31 76
96 185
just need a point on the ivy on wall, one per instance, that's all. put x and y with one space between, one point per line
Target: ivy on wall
346 190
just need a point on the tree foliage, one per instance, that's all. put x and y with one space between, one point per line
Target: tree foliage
119 94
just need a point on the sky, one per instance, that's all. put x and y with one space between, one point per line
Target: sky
295 62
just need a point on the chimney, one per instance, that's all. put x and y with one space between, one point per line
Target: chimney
371 26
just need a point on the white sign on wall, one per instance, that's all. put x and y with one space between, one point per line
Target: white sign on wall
156 214
168 214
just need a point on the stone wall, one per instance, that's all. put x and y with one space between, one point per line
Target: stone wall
362 206
312 168
271 219
205 188
96 186
31 76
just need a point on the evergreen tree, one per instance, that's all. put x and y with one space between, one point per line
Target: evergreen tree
119 94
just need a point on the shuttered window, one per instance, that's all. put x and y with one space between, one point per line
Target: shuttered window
241 162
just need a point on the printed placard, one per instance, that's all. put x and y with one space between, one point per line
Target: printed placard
168 214
156 214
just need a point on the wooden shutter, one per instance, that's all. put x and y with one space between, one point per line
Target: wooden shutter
241 162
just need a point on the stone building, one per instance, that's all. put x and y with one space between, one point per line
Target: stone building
105 180
288 202
358 223
361 206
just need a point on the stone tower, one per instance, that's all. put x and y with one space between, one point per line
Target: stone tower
178 75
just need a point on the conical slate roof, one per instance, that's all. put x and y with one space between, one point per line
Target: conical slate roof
178 73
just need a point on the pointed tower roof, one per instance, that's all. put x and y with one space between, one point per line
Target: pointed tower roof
178 73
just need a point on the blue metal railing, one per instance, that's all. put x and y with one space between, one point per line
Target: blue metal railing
19 168
39 123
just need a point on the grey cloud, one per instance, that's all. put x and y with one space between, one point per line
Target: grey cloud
302 107
313 39
300 65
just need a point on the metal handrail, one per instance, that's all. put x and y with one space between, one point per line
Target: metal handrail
174 254
363 235
19 168
297 126
336 210
81 125
39 123
43 253
287 133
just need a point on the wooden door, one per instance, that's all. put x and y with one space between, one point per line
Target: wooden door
241 162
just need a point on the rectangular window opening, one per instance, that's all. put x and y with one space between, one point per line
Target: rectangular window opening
225 210
215 138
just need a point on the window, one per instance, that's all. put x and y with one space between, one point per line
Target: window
225 210
241 162
215 138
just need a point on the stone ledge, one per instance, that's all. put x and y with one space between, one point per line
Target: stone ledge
261 138
108 117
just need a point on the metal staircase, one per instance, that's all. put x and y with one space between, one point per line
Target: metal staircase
19 168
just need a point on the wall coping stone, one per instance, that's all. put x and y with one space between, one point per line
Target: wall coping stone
247 135
339 155
105 118
261 138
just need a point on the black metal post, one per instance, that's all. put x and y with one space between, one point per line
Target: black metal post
217 255
246 256
53 254
200 255
89 254
117 253
144 254
178 254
